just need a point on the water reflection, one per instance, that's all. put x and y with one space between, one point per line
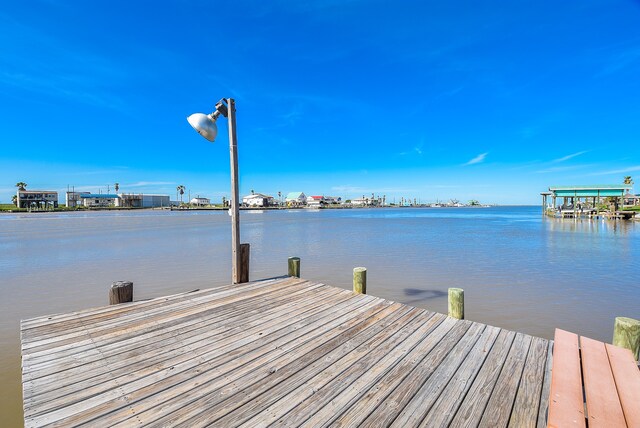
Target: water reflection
615 227
519 270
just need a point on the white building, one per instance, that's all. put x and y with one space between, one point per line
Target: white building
37 199
295 199
257 200
98 200
315 201
333 199
74 199
200 202
360 202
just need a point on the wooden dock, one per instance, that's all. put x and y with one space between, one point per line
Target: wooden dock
282 352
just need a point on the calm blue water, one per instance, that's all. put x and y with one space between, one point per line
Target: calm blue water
519 270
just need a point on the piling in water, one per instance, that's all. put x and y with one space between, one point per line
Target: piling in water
245 250
626 333
456 303
294 266
360 280
121 292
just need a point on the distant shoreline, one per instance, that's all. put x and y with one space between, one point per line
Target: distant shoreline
119 209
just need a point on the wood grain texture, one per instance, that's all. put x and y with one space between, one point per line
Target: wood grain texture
603 404
626 334
388 410
121 292
282 351
500 405
525 408
422 400
566 405
543 410
445 407
472 408
627 378
456 303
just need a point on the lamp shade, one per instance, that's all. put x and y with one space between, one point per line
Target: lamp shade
204 124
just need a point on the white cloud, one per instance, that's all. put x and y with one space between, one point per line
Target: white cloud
618 171
478 159
350 190
417 149
562 168
149 183
573 155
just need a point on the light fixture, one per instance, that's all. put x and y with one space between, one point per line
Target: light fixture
206 126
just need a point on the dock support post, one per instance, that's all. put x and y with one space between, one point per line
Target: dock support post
121 292
360 280
626 333
456 303
245 251
294 266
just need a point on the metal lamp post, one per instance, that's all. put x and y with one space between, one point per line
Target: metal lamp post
206 126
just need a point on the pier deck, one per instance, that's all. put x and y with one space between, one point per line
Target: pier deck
283 351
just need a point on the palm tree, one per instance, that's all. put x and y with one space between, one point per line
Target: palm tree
628 180
279 198
21 185
117 187
180 190
14 199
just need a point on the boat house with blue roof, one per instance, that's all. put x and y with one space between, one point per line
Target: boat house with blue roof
584 198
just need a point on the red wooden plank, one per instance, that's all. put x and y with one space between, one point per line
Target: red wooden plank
603 404
627 377
566 408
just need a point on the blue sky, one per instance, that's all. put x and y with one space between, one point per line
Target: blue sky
434 100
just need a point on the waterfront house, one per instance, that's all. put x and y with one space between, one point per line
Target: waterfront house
315 201
295 199
630 199
37 199
257 200
334 200
200 202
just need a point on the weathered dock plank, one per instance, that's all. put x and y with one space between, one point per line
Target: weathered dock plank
283 351
525 408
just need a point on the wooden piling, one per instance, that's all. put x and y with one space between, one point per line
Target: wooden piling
360 280
456 303
245 251
626 333
121 292
294 266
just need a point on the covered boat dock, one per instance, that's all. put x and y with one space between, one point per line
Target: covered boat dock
581 200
